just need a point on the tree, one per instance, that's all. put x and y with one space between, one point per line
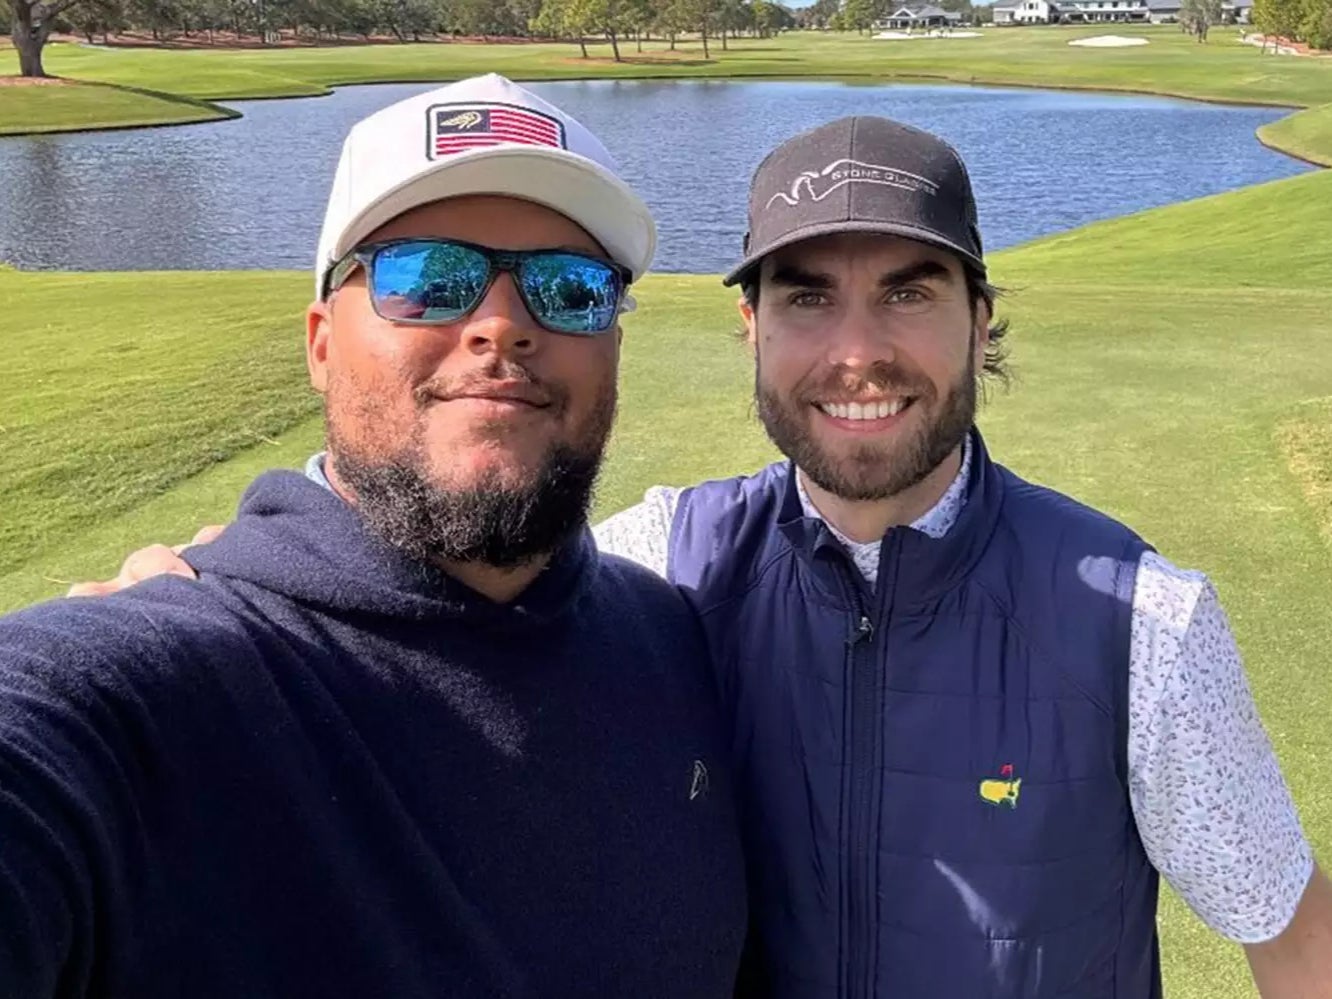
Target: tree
1314 22
601 17
637 17
96 17
1275 19
1198 16
33 22
700 15
556 21
671 18
731 16
485 18
819 14
159 16
767 17
677 16
858 15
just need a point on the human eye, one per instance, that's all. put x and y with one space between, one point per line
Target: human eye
910 298
807 299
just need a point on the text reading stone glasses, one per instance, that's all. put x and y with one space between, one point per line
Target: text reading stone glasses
430 282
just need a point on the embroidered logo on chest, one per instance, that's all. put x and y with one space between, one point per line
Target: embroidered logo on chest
698 787
1002 791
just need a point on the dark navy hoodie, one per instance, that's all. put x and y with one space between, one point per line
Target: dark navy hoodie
326 770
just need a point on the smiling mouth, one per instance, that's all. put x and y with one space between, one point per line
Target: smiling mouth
865 410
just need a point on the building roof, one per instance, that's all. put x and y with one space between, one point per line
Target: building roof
1163 5
1085 5
921 12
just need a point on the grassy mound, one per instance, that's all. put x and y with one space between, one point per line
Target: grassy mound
68 105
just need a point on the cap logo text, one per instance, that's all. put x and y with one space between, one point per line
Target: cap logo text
812 185
462 122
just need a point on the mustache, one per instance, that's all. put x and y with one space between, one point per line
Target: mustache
881 376
498 370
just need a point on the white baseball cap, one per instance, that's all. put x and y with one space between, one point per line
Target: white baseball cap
485 135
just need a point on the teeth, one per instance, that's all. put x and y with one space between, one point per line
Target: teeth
863 411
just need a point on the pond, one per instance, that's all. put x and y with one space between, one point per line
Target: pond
250 193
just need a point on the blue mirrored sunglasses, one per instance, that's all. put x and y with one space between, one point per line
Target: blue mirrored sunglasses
431 282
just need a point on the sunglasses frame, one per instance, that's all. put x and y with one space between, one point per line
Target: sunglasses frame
498 261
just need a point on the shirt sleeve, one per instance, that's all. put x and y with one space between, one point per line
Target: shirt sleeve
1212 808
642 533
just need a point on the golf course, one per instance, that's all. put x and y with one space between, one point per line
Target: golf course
1172 367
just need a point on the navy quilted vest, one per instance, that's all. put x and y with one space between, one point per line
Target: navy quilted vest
933 773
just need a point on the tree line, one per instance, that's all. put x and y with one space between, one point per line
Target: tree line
713 22
31 22
616 22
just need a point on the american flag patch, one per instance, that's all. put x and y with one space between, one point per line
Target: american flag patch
456 127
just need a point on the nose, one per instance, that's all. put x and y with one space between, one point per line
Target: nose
858 341
501 323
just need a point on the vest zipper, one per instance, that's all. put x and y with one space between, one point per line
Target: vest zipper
858 882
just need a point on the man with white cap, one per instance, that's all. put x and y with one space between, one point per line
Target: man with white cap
409 734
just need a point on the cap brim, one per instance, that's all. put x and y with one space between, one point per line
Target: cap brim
576 187
929 236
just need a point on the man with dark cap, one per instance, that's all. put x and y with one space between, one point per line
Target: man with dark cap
972 719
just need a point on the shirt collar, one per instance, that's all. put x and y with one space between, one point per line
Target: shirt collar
937 521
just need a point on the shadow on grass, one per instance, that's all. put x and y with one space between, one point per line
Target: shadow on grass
162 95
664 61
201 111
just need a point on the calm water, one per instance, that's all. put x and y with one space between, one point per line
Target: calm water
250 193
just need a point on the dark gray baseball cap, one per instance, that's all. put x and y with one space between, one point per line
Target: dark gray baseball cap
861 174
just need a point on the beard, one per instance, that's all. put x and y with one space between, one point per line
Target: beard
873 470
496 519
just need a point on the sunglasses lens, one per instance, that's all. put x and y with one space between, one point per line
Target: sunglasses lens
428 282
569 293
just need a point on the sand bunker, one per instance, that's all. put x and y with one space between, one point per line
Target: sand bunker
1273 43
902 36
1107 42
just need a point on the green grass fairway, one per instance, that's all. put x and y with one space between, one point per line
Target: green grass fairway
119 386
1223 69
71 105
